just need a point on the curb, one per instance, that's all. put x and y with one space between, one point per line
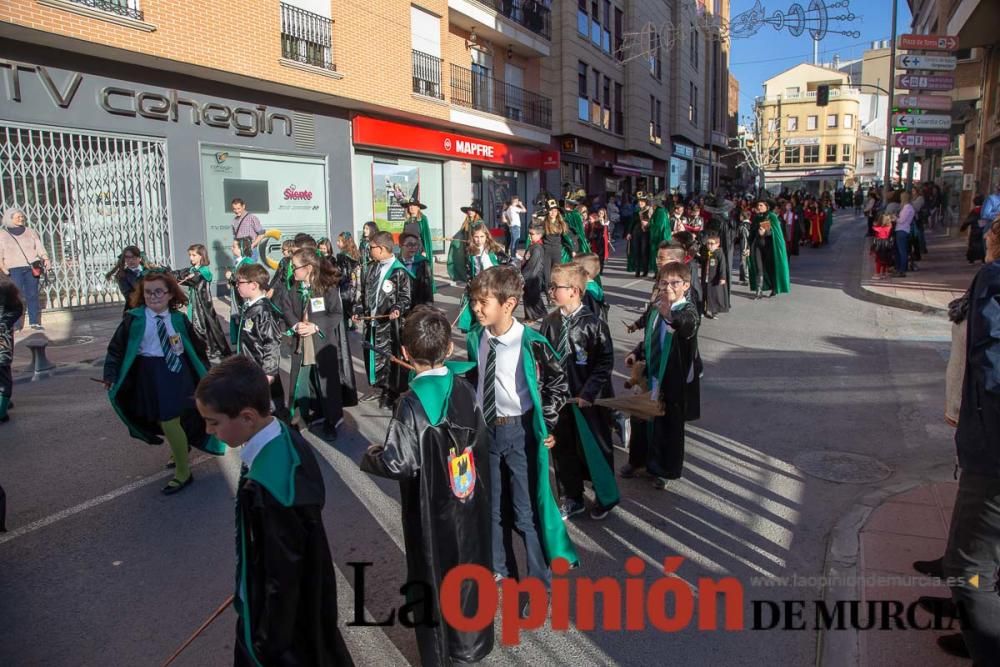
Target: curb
842 647
865 294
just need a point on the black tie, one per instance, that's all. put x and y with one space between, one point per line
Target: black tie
490 384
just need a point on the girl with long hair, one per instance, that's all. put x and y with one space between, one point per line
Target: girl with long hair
458 268
369 230
197 281
126 272
349 261
483 252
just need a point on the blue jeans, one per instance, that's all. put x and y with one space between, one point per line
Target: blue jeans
513 476
515 236
902 250
27 284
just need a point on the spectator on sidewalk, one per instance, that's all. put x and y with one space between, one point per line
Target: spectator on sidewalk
23 258
904 225
991 209
972 556
976 249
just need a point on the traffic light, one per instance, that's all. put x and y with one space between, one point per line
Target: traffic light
822 95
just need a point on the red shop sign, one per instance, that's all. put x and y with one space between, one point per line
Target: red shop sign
399 136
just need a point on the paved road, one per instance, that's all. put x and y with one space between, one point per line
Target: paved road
100 569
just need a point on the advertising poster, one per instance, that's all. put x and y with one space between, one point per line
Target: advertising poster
392 185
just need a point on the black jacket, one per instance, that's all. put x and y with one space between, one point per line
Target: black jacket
535 272
291 589
11 310
384 334
441 529
127 280
201 311
260 335
421 290
683 364
978 435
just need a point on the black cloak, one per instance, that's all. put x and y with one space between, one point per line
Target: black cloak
534 270
197 283
382 297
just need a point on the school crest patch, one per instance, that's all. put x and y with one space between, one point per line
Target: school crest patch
462 473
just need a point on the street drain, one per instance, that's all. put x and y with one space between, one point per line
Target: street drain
842 467
72 340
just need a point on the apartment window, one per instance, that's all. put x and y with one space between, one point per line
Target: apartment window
619 126
810 154
582 18
694 47
606 107
848 121
655 130
831 152
793 123
595 23
595 101
792 91
831 120
869 159
606 32
792 155
773 154
655 65
812 122
845 153
129 8
619 22
425 40
583 101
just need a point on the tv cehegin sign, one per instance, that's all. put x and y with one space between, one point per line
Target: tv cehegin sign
244 121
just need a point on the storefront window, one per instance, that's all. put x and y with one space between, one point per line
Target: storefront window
383 182
679 175
494 188
286 192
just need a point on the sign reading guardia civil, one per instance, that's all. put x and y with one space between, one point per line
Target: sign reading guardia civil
244 121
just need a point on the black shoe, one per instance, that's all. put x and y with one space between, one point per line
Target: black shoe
571 508
954 645
171 488
930 568
4 419
329 432
943 607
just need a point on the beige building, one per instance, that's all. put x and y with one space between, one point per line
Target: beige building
806 146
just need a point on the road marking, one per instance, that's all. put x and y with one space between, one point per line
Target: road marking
629 284
93 502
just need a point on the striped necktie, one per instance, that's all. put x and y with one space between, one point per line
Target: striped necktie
490 384
173 361
564 338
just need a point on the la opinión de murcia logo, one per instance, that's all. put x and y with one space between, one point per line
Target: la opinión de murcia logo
297 195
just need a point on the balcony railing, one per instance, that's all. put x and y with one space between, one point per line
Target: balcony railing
530 14
129 8
478 91
306 37
427 75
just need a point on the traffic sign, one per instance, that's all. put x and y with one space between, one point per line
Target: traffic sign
929 102
923 121
934 63
914 82
921 140
929 42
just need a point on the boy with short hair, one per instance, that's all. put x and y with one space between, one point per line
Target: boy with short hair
258 332
286 594
670 352
385 297
521 386
583 432
714 277
593 296
421 286
534 272
438 448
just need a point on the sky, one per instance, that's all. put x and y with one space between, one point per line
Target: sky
769 52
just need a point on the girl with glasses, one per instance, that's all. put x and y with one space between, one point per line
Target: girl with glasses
126 272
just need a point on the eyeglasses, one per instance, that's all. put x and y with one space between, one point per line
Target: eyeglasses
553 288
245 282
129 257
673 284
296 267
156 293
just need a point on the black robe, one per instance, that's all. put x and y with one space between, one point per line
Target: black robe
725 231
260 337
201 310
421 289
445 502
535 272
716 293
384 334
350 281
588 366
286 596
324 389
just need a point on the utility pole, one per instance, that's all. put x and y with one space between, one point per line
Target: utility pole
892 101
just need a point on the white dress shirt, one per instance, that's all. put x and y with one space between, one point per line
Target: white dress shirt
150 346
483 260
440 370
253 446
513 398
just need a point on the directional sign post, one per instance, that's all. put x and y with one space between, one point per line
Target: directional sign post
928 102
922 121
921 140
933 63
915 82
929 42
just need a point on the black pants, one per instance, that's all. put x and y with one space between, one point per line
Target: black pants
640 248
659 446
571 469
974 551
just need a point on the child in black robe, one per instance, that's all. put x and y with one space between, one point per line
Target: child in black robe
260 331
533 270
197 280
127 271
714 278
593 296
421 286
438 448
286 590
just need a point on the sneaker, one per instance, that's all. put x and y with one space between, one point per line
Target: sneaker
38 327
571 508
660 483
599 513
627 471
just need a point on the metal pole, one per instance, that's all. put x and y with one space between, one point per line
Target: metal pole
892 94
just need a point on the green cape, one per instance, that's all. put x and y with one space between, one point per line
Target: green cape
659 231
783 285
555 539
434 394
575 222
425 241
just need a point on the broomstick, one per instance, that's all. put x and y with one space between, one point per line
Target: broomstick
641 406
373 317
208 622
394 359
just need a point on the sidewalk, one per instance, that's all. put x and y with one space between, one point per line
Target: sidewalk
943 275
908 526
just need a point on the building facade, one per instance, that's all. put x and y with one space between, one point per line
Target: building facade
805 146
138 121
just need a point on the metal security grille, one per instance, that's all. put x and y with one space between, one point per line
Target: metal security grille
87 195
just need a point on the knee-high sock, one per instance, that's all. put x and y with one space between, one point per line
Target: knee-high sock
178 442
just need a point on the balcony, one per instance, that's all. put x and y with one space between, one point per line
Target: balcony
306 37
427 75
483 93
127 8
524 25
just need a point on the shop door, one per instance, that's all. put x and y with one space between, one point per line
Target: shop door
87 195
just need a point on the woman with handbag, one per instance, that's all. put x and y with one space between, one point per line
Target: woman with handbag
23 258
